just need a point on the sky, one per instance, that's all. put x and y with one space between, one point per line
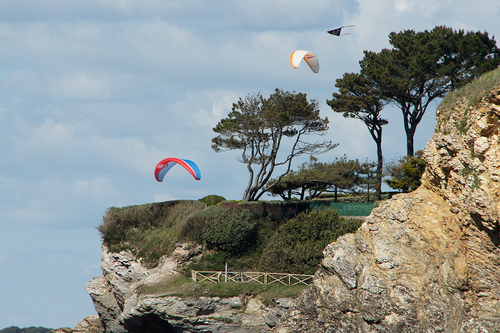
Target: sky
94 93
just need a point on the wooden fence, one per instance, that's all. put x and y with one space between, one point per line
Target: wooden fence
256 277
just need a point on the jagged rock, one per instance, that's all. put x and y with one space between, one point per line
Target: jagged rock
122 308
91 324
273 315
105 303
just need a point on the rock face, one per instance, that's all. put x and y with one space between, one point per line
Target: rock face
426 261
122 307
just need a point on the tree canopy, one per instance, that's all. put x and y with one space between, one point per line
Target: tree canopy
424 66
257 125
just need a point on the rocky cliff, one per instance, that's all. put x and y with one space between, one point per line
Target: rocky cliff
426 261
126 300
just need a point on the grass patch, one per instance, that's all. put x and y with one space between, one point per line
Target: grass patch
475 91
182 286
462 126
470 177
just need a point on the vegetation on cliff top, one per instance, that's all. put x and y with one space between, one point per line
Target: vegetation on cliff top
475 91
267 236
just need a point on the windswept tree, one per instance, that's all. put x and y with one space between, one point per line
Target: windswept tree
359 98
424 66
342 174
296 183
257 126
314 178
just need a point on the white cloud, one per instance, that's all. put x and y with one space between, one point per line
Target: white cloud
99 188
82 86
208 116
31 215
21 83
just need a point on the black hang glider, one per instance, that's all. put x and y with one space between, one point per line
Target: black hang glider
338 31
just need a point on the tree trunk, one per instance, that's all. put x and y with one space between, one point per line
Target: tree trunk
409 144
410 128
380 168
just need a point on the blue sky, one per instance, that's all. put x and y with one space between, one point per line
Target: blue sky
93 94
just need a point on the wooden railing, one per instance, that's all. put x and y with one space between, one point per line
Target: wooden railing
247 277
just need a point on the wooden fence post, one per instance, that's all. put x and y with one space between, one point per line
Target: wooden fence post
193 275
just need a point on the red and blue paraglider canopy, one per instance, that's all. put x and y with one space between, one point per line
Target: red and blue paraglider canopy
167 163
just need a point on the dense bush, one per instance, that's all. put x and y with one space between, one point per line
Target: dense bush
297 246
119 222
230 230
212 199
221 228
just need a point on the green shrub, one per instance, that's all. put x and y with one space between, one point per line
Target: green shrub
229 230
212 199
119 222
221 228
192 227
297 246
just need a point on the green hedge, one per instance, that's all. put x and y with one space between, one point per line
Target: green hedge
149 231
